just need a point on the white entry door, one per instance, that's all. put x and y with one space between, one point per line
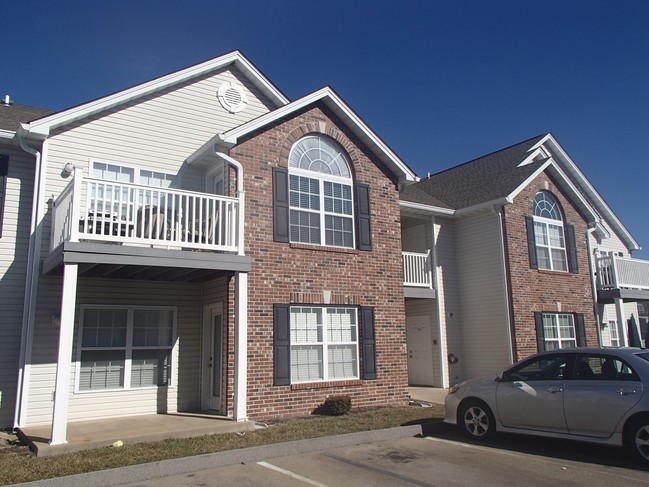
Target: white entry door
213 363
420 351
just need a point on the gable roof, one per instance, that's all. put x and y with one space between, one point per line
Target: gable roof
464 186
40 128
11 116
498 177
331 99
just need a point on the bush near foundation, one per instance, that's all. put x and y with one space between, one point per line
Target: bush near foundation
338 405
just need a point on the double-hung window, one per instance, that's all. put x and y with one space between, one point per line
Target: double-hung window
549 233
125 347
559 331
320 194
324 343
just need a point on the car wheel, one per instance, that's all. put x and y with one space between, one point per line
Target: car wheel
637 438
476 420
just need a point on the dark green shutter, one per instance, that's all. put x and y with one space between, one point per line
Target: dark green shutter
540 332
364 217
531 242
571 244
581 329
280 205
369 343
282 345
4 170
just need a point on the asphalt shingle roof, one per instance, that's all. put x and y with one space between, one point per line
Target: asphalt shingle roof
11 116
486 178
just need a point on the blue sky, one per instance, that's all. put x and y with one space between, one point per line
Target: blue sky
442 82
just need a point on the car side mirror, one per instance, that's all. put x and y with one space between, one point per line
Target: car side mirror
502 377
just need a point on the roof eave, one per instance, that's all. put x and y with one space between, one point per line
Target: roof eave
335 103
423 208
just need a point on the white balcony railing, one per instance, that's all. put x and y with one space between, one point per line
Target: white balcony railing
622 273
417 269
92 209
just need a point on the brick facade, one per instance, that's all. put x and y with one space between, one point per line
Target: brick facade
535 290
297 273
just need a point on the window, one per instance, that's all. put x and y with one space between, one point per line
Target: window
614 335
547 367
125 347
603 367
549 233
559 331
4 171
324 343
320 194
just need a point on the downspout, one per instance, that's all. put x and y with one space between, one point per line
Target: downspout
240 194
503 259
31 283
593 283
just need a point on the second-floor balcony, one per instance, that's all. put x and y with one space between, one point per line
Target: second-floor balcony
418 274
622 277
96 210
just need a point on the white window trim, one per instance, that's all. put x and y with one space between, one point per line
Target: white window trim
546 222
321 178
557 328
613 333
136 170
325 344
128 348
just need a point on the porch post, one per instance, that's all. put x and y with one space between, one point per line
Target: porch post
621 322
240 346
64 362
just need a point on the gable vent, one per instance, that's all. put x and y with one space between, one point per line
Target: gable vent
232 97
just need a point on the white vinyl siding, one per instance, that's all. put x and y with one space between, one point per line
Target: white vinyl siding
14 244
183 393
483 300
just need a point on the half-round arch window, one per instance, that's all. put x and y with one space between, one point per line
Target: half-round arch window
320 193
549 232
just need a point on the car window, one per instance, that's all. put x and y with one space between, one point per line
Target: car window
546 367
603 367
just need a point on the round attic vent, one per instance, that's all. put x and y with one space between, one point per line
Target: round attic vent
232 97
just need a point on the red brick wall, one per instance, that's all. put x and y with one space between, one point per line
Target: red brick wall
290 273
534 290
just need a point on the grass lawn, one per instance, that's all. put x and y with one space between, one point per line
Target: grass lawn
20 466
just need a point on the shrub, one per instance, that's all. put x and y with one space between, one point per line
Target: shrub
338 405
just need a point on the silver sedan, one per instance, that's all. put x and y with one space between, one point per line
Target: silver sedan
589 394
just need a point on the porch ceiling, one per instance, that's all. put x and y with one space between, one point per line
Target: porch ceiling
98 260
608 296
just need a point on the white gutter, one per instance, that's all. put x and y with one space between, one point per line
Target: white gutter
7 134
241 195
487 205
426 208
31 283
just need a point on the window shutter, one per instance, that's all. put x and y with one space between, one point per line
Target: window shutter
531 242
581 329
369 343
571 244
540 333
282 345
364 217
280 205
4 170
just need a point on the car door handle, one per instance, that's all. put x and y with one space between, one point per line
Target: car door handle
626 392
554 389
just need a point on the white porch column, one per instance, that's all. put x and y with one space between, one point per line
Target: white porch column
621 321
64 362
240 346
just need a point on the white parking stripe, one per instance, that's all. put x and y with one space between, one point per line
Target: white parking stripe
291 474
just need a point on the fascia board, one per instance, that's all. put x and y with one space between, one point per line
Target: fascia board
436 210
529 179
42 126
332 100
483 206
7 134
588 188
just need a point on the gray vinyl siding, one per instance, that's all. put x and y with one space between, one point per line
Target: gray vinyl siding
14 245
184 393
482 290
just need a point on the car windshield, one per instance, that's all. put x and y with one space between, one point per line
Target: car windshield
547 367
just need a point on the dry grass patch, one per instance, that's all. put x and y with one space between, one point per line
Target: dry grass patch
25 468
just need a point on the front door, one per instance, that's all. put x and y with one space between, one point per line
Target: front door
213 362
420 351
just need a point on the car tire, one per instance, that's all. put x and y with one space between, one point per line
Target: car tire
476 420
636 438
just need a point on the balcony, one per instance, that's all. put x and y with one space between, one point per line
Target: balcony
125 230
622 277
418 275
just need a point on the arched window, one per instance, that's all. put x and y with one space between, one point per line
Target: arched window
320 193
549 233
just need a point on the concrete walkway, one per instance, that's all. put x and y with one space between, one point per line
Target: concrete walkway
433 395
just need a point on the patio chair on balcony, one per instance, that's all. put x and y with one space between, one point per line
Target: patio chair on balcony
152 223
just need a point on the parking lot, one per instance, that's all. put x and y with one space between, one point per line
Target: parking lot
439 458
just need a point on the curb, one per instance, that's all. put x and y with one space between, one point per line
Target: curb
150 471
